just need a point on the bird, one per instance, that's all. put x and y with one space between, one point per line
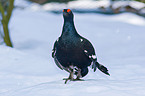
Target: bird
74 53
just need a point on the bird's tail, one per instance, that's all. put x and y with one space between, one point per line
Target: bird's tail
100 67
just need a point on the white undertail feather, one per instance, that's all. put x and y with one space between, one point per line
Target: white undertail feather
81 40
94 56
85 51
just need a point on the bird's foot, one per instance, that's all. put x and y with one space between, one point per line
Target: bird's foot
78 79
68 79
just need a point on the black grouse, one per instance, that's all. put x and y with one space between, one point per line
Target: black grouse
73 52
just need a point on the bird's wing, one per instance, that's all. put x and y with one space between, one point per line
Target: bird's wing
90 52
88 49
54 49
53 55
58 63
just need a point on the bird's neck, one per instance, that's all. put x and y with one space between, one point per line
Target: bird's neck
69 28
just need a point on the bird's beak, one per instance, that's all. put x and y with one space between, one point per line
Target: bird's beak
65 13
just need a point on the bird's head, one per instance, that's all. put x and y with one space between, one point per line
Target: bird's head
67 14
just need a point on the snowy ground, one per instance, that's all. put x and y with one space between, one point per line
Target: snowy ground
29 70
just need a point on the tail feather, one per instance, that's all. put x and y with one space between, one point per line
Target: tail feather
100 67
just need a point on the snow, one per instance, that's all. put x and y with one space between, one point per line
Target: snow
133 4
131 19
88 4
82 5
29 70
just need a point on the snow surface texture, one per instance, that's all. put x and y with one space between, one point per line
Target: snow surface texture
29 70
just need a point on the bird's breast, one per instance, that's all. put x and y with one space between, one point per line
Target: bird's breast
70 51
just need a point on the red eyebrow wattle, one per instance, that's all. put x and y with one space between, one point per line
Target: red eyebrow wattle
68 10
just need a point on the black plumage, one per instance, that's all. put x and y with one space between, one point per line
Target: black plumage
73 52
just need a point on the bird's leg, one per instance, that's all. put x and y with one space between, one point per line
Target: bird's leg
78 75
71 71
